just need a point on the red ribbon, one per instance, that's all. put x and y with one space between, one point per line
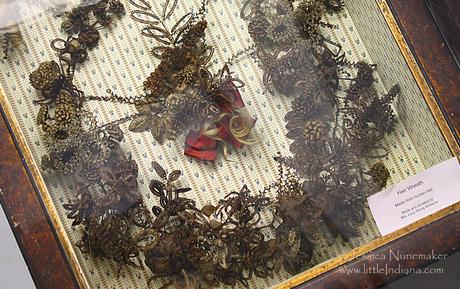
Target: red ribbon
202 147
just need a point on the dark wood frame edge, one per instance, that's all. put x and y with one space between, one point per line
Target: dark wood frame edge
432 55
441 30
41 275
424 72
444 239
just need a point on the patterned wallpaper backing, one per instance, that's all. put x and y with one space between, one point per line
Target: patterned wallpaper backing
122 61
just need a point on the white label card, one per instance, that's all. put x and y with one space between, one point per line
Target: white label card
416 197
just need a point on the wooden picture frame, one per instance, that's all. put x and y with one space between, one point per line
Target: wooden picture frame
46 248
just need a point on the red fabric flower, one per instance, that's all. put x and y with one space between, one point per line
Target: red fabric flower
200 146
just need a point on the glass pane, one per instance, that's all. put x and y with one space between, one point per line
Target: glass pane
213 144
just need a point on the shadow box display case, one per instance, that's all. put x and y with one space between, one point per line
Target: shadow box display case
216 144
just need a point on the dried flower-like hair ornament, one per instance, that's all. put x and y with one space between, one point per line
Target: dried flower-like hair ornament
336 121
107 201
181 96
61 113
76 143
222 244
10 39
